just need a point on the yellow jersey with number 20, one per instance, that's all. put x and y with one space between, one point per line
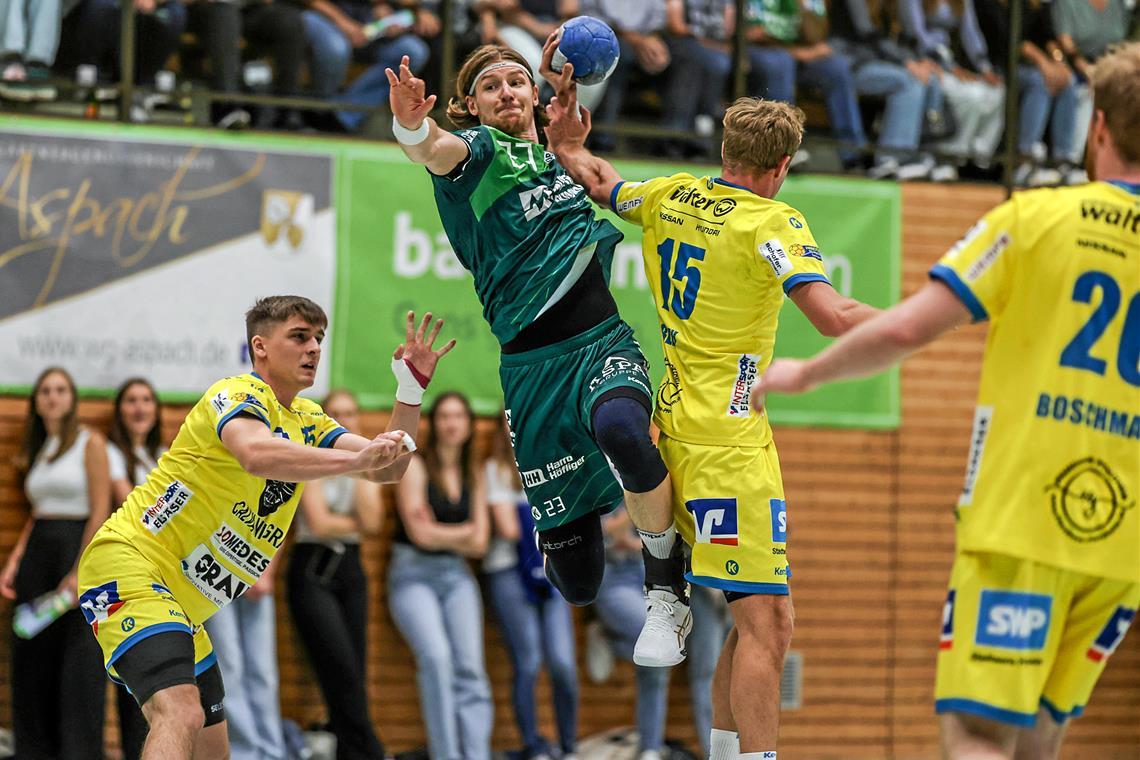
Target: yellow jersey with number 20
719 259
1054 464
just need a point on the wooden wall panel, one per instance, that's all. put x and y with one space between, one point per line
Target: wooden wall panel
873 540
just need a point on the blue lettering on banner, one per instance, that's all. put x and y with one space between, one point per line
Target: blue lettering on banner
779 510
1079 411
1013 619
715 521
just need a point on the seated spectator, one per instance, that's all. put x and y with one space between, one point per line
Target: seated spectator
882 68
639 28
469 30
328 592
378 35
1045 82
534 618
57 677
91 36
272 25
134 444
702 59
621 613
29 37
442 521
785 46
975 96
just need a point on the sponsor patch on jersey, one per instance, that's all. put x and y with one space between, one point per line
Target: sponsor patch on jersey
100 603
983 417
220 402
970 236
630 204
806 251
468 135
212 579
946 640
535 201
1112 634
746 374
274 496
1016 620
166 507
796 223
716 521
778 508
988 257
231 544
774 253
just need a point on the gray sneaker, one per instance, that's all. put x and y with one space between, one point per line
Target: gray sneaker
39 82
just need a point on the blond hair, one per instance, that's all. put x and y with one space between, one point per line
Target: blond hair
1116 91
457 111
758 133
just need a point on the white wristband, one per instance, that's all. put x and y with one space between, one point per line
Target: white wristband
406 136
409 388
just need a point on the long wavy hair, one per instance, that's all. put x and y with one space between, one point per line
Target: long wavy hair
35 431
467 463
121 436
502 453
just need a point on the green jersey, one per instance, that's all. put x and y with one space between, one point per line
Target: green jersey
522 227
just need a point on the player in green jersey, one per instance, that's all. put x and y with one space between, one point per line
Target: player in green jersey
575 382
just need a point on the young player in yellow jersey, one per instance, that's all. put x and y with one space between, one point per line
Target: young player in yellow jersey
1047 575
721 254
205 524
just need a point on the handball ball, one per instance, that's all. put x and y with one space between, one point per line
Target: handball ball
591 46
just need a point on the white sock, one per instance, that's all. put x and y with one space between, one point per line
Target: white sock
660 545
769 755
723 745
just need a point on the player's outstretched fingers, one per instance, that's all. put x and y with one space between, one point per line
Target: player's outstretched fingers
446 347
422 329
434 332
409 327
393 80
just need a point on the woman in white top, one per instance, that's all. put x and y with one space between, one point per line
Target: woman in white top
134 444
328 592
57 681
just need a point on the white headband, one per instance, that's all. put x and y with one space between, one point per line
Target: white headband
498 65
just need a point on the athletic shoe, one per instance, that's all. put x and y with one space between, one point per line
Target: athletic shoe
1073 175
39 84
886 168
1044 176
944 173
12 80
667 625
650 754
915 170
599 654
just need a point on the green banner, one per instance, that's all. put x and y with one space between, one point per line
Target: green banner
395 257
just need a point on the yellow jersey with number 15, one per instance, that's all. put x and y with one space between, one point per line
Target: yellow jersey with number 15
1054 465
206 524
719 259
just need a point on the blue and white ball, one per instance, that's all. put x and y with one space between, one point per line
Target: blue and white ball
590 46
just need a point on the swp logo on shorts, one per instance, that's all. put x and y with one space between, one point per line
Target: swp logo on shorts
716 521
779 510
1013 619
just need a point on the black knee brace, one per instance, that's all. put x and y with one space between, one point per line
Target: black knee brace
575 557
621 429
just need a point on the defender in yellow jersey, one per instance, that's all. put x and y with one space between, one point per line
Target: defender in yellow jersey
204 526
1047 577
721 254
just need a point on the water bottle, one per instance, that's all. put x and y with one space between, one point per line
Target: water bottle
32 617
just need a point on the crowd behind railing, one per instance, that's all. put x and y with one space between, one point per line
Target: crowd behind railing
73 476
905 89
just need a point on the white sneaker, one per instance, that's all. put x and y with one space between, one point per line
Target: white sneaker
667 625
887 168
650 754
1044 176
914 170
944 173
599 654
1074 175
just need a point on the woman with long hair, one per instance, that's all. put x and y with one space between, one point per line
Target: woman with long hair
134 444
328 592
57 676
534 618
441 522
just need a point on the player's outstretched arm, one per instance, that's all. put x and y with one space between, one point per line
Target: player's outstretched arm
870 347
829 311
421 138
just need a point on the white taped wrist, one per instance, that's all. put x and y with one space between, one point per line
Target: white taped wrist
409 388
406 136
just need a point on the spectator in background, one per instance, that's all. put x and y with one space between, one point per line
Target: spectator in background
57 678
91 36
786 45
467 33
975 96
442 521
328 592
29 37
1045 82
134 444
621 614
534 618
881 68
639 28
702 60
274 26
378 35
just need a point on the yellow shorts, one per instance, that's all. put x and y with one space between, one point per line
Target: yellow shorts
125 600
728 503
1018 635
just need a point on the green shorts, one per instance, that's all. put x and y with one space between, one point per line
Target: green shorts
549 394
